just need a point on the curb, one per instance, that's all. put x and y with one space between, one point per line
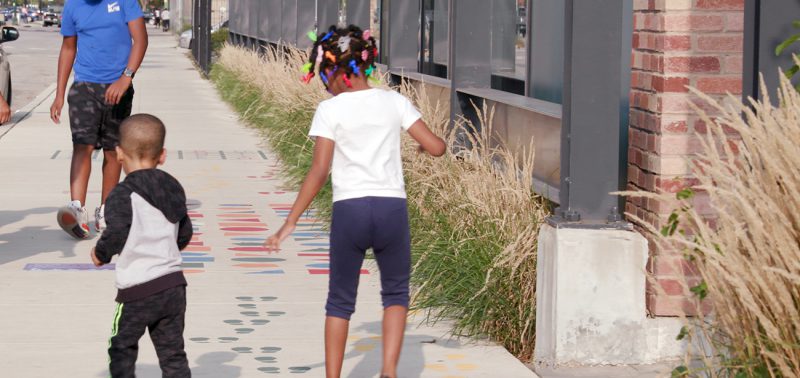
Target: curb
26 111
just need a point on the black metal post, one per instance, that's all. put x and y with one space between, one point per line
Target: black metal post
597 40
201 34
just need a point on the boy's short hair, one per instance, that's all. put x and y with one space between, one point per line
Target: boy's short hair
142 136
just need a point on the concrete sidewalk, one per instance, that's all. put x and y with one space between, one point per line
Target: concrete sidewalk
250 313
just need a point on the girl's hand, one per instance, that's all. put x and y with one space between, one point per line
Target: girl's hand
273 243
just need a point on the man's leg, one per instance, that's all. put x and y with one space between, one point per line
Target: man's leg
80 170
109 139
85 116
111 172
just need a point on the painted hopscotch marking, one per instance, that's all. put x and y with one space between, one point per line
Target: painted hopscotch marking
246 233
185 155
66 266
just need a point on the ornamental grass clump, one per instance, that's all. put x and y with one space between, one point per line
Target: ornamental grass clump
474 216
747 255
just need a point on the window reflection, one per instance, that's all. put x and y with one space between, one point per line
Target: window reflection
435 38
508 40
375 15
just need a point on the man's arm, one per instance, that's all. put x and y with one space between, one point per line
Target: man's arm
66 58
139 35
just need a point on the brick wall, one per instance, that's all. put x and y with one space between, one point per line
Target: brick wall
675 43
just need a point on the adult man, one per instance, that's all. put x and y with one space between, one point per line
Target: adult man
97 40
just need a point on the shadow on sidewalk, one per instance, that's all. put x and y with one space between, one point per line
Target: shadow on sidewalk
211 365
32 240
369 349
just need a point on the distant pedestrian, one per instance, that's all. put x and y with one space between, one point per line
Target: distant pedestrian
165 19
148 226
157 15
358 134
105 41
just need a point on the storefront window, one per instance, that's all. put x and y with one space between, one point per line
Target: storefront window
508 40
375 20
435 38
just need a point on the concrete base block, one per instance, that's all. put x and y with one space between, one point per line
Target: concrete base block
591 301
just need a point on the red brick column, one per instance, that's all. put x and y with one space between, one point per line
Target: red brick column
675 43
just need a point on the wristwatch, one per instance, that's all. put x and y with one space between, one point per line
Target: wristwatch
129 73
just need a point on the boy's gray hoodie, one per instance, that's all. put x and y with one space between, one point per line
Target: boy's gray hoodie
148 226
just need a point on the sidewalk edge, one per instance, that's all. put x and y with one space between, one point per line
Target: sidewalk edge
26 111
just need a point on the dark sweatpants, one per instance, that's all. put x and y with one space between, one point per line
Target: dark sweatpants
380 223
162 314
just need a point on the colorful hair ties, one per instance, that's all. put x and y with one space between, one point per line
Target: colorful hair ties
364 55
347 81
330 56
354 66
325 38
369 70
307 67
308 77
366 34
312 36
324 78
320 54
344 43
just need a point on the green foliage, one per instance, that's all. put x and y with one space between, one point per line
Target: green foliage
786 44
218 39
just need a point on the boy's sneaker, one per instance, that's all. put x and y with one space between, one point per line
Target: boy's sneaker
74 220
100 219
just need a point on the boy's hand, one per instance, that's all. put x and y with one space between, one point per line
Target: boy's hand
55 109
273 243
95 260
115 92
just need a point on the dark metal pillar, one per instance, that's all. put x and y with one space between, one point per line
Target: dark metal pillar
201 47
358 13
597 51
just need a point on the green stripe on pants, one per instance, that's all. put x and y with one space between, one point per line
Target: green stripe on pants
115 328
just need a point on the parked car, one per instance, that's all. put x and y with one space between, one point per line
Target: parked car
8 34
51 19
186 39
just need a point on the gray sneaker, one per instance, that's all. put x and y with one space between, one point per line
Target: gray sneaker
100 218
74 220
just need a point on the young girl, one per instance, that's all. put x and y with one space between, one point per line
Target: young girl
357 135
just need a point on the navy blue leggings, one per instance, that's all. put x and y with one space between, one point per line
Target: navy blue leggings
380 223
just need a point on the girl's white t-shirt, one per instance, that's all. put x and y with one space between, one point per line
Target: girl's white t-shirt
365 127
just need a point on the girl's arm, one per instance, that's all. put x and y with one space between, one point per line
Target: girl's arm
315 179
428 141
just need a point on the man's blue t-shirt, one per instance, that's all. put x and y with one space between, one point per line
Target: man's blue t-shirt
104 41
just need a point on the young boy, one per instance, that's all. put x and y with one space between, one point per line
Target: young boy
105 41
148 226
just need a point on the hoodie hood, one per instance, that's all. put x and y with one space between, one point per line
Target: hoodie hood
160 190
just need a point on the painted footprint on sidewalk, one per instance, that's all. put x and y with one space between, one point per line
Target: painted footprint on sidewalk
207 340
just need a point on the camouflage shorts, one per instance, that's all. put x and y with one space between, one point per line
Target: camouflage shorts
92 121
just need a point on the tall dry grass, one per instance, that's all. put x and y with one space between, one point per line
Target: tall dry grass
474 216
477 225
748 256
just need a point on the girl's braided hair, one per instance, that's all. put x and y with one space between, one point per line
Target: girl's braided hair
349 50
